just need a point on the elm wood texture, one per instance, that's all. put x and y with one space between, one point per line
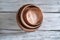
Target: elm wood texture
29 17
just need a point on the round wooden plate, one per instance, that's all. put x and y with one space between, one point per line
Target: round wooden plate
29 17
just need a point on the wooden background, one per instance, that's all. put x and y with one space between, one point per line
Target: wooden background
49 30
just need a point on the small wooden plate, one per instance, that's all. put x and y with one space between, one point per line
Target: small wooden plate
29 17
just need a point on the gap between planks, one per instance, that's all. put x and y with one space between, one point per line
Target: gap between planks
17 12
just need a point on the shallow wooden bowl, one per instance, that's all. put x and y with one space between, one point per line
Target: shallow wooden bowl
29 17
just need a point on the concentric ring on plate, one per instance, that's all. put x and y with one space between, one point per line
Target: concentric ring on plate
29 17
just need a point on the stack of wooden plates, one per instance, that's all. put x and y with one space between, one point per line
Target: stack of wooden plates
29 17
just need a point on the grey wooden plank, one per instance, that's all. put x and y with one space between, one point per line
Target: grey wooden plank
46 5
8 21
38 35
51 21
50 8
15 7
31 1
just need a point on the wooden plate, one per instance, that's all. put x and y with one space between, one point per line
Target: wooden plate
29 17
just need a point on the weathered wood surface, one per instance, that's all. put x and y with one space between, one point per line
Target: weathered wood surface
38 35
45 5
49 30
31 1
51 21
